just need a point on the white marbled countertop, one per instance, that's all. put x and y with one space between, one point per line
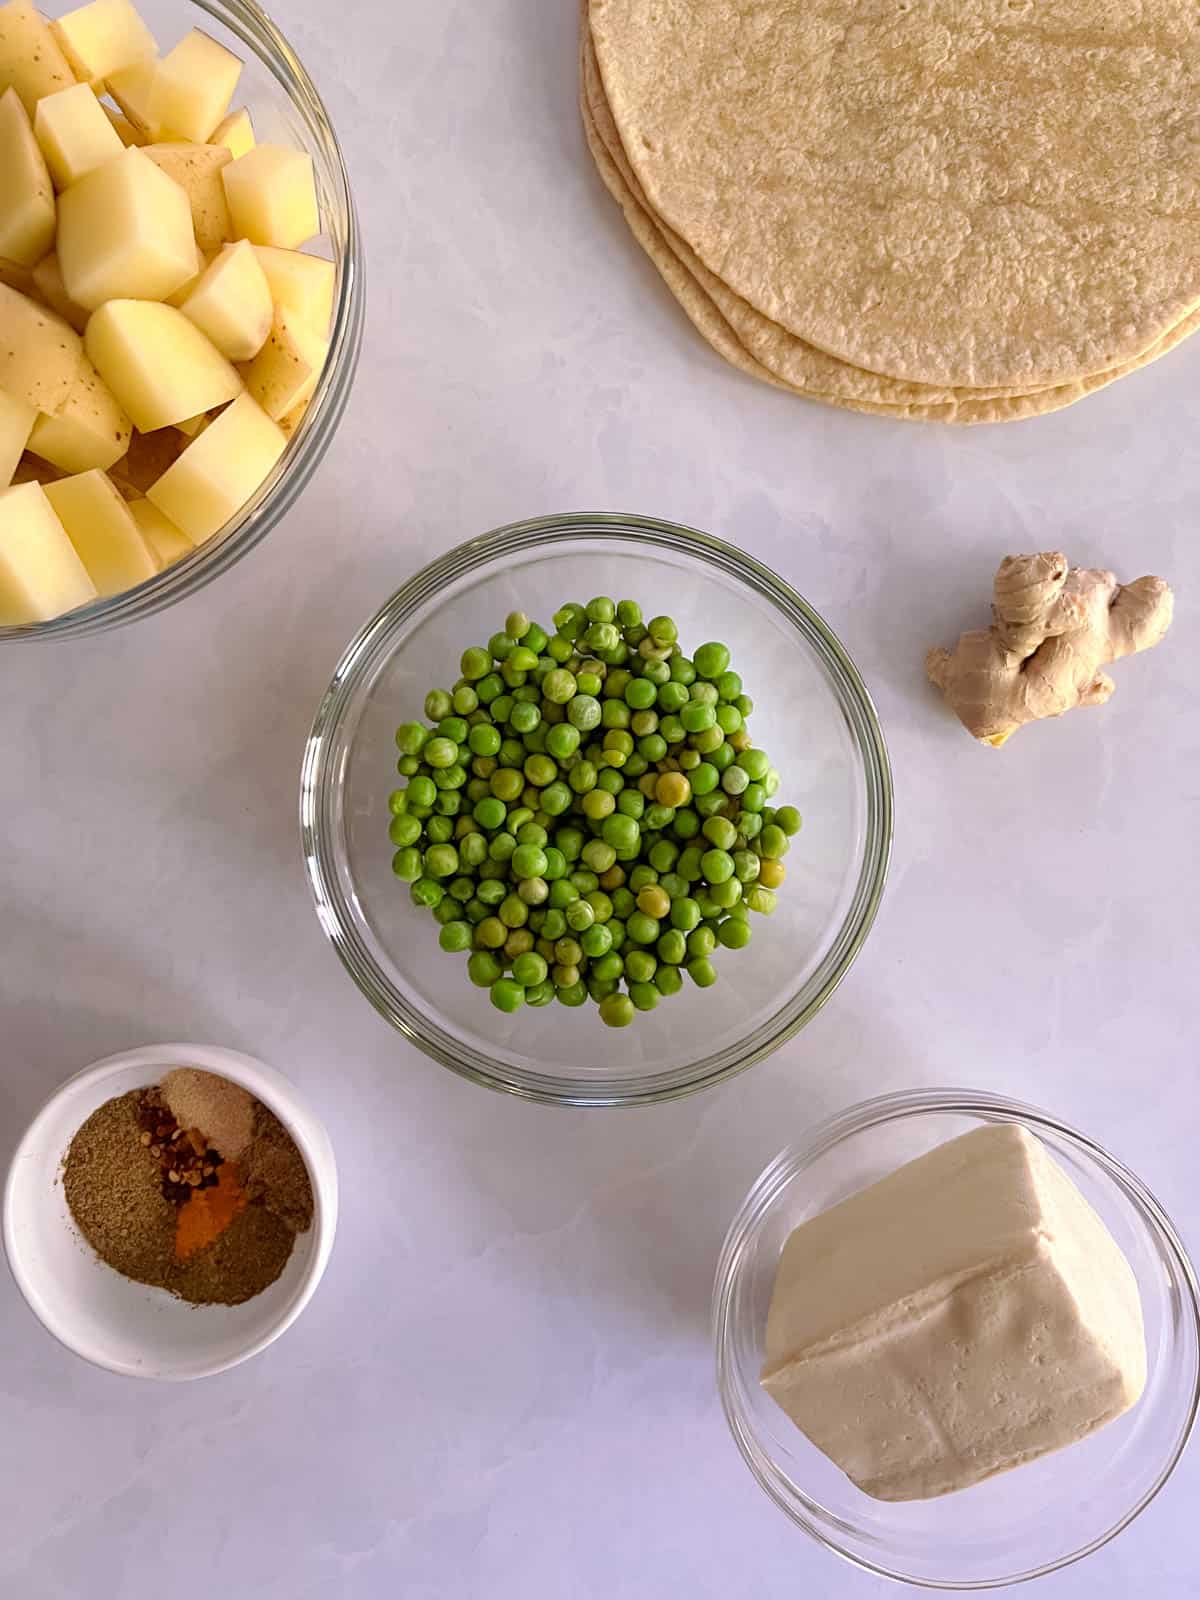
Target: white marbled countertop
504 1387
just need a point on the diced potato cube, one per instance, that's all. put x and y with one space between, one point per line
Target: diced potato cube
106 538
235 132
103 37
272 196
124 232
193 86
30 59
16 424
169 543
40 356
26 194
285 371
196 168
47 282
122 126
89 431
74 134
148 457
159 366
41 575
300 284
231 303
131 89
220 470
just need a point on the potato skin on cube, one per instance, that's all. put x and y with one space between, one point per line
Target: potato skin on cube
89 430
31 61
40 356
27 210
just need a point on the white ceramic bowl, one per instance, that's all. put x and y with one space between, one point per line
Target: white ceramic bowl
129 1327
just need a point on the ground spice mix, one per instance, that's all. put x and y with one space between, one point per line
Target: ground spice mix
160 1203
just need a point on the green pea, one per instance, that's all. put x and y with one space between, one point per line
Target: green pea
441 753
492 891
404 830
653 747
427 892
472 850
599 854
629 614
528 861
702 941
501 847
727 894
656 818
672 947
422 792
745 865
411 738
525 717
490 813
622 833
559 649
554 924
672 696
662 630
441 861
609 968
754 763
562 741
641 928
559 685
643 996
456 935
640 966
570 842
761 900
584 712
529 969
702 973
686 824
406 864
541 994
598 804
575 995
788 818
580 916
623 902
540 770
589 683
773 843
438 704
685 913
717 865
735 780
733 933
674 884
596 941
600 902
507 995
667 980
616 1010
672 730
483 969
708 739
719 831
751 824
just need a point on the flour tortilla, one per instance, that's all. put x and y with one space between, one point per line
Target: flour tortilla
713 326
782 353
959 193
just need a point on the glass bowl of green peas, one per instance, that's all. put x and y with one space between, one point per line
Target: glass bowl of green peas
596 810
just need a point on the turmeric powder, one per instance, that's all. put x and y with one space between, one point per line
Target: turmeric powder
206 1213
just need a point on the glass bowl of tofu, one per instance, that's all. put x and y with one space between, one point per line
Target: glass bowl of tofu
957 1342
181 301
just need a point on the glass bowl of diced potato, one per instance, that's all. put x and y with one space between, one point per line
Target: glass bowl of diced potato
181 301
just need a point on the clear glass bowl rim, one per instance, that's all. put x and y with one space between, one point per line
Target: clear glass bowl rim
250 23
874 1113
323 770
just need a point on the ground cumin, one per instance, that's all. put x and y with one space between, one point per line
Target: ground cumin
161 1206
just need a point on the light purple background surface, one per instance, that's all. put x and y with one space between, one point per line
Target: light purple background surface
504 1387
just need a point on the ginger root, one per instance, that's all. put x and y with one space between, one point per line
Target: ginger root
1054 628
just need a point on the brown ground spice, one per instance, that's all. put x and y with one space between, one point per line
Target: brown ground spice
114 1187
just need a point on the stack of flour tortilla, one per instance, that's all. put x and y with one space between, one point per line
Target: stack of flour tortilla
956 210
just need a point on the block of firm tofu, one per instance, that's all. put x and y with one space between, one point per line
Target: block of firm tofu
964 1315
41 576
